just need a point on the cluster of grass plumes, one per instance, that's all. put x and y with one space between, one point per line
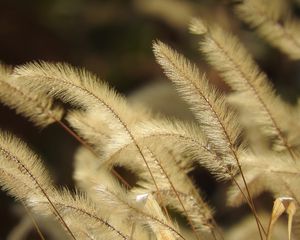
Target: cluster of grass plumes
249 137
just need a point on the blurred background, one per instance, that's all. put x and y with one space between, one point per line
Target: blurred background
113 38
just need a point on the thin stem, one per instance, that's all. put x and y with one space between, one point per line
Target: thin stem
158 191
36 226
249 196
176 193
248 201
87 146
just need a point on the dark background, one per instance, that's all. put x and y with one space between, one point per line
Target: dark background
113 38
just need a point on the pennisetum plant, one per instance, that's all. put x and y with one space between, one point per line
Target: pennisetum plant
249 137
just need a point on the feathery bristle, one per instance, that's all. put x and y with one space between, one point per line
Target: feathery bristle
38 108
22 174
218 122
253 90
281 32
